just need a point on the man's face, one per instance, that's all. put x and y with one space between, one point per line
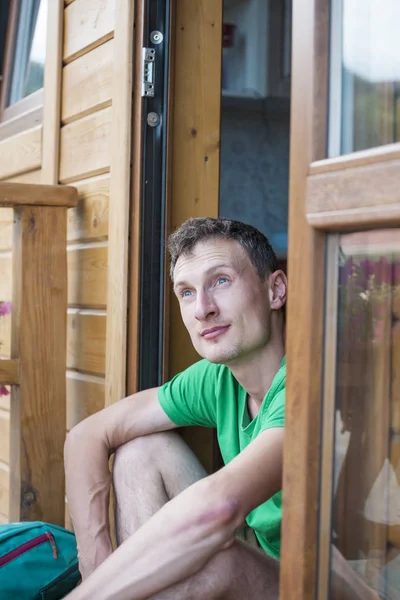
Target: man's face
224 304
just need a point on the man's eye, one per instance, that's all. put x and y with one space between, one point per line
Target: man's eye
186 293
221 280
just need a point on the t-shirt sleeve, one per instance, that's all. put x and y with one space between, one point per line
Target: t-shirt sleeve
274 416
190 397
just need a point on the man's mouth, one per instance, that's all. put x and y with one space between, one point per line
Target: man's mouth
213 332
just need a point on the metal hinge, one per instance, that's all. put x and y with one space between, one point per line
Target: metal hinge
148 71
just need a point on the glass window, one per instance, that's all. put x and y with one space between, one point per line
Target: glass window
364 102
365 531
29 50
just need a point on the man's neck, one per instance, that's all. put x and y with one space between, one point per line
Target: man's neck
256 375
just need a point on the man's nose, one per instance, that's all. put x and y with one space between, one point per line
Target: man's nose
205 306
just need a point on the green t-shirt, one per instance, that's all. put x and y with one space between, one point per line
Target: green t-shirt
207 394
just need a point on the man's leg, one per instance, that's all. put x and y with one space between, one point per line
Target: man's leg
238 573
151 470
147 472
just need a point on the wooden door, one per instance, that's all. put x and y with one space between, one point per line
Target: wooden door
341 468
195 161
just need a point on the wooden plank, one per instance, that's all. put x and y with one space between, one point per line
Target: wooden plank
136 209
89 220
4 489
9 372
27 120
118 231
5 336
196 136
4 436
85 147
86 337
20 153
87 275
86 341
169 191
24 105
20 194
27 177
87 83
5 402
301 470
6 225
362 158
196 100
5 277
6 214
354 197
87 24
328 425
85 396
38 415
52 92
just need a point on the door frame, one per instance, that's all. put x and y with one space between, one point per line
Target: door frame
325 196
150 200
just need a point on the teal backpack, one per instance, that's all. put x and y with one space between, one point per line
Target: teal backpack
38 561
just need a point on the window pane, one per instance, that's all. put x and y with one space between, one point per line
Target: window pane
364 75
366 499
30 49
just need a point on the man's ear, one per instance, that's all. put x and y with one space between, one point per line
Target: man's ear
277 289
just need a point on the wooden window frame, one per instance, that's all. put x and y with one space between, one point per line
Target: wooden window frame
326 196
27 112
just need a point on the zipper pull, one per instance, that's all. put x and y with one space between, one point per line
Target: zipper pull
53 543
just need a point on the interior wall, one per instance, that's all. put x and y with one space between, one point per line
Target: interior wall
255 171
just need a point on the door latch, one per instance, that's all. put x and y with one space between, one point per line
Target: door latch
148 71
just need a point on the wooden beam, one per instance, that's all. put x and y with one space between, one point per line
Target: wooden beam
195 169
9 369
196 137
118 232
20 194
52 93
362 195
305 306
38 406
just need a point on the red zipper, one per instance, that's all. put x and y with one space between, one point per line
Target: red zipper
40 539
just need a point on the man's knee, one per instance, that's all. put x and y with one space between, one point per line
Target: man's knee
145 448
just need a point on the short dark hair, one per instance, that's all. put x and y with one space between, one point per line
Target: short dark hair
195 230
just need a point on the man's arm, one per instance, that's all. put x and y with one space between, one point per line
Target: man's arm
187 531
87 451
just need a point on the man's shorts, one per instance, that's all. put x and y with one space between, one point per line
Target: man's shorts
246 535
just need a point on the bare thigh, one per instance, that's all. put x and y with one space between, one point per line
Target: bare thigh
148 472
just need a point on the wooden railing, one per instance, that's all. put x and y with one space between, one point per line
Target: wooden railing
38 349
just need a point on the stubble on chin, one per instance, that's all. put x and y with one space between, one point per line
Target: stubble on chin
223 356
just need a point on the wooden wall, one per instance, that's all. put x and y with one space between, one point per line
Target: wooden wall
87 90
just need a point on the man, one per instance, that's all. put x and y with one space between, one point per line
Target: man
176 526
